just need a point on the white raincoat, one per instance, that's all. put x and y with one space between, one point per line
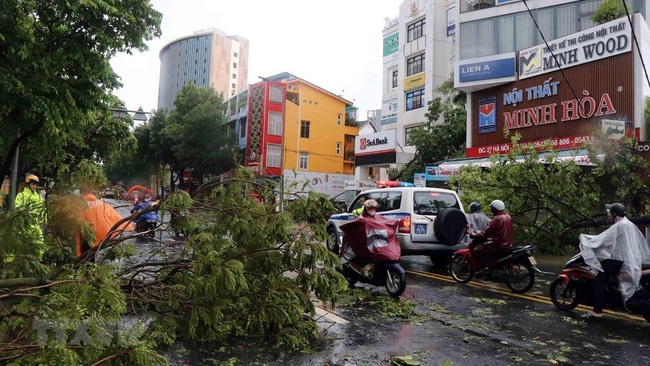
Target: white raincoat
623 242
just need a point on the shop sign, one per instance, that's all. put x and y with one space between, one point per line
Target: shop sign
389 111
565 111
612 129
414 82
375 143
558 143
599 42
488 69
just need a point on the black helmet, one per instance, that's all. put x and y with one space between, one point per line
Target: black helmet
474 207
616 209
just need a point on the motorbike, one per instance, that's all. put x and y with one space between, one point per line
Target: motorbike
146 222
147 225
573 287
515 267
370 254
176 223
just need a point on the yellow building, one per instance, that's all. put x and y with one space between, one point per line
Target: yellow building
318 134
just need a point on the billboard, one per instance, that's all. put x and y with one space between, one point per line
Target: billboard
596 43
566 107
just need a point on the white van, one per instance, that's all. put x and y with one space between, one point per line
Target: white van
432 220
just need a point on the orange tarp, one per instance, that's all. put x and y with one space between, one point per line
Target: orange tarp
102 217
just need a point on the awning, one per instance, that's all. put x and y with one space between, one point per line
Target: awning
579 157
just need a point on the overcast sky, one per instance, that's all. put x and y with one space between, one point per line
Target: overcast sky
335 44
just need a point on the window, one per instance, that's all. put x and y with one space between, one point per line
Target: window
273 155
395 79
415 30
234 76
415 64
275 123
242 130
235 54
304 161
387 200
234 85
407 135
234 65
511 32
338 119
338 148
429 203
415 99
304 129
276 94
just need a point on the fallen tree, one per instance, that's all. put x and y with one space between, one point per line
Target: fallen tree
246 270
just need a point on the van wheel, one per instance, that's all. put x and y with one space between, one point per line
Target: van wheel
332 241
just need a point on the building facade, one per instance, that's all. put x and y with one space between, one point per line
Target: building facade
296 131
555 82
209 59
417 53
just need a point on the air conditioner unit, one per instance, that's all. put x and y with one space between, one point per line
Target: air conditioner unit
290 87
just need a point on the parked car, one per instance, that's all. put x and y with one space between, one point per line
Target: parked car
432 220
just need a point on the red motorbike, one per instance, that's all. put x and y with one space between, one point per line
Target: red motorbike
515 267
573 286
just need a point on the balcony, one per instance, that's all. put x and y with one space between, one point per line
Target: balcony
473 5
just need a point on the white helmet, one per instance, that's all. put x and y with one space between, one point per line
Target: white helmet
498 205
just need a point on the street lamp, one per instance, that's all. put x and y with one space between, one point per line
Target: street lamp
123 113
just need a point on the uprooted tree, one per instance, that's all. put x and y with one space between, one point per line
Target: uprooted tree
245 270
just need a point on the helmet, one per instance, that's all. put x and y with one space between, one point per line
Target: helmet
31 178
146 198
474 207
498 205
616 209
370 204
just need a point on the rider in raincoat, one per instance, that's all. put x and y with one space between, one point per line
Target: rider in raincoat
617 251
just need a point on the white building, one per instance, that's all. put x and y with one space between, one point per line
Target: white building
506 50
207 58
417 57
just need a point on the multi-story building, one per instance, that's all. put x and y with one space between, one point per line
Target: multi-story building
543 69
208 58
417 53
296 131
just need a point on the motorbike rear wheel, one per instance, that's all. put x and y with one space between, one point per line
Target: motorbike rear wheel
395 282
460 269
521 278
563 297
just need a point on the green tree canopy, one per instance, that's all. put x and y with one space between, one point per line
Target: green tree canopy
193 135
55 76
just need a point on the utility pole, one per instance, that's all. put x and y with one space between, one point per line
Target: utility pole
13 180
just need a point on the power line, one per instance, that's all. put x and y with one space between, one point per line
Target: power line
636 41
556 61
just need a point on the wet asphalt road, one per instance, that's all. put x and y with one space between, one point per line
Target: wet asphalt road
452 324
474 324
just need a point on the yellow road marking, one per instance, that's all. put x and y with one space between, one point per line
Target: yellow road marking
534 297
